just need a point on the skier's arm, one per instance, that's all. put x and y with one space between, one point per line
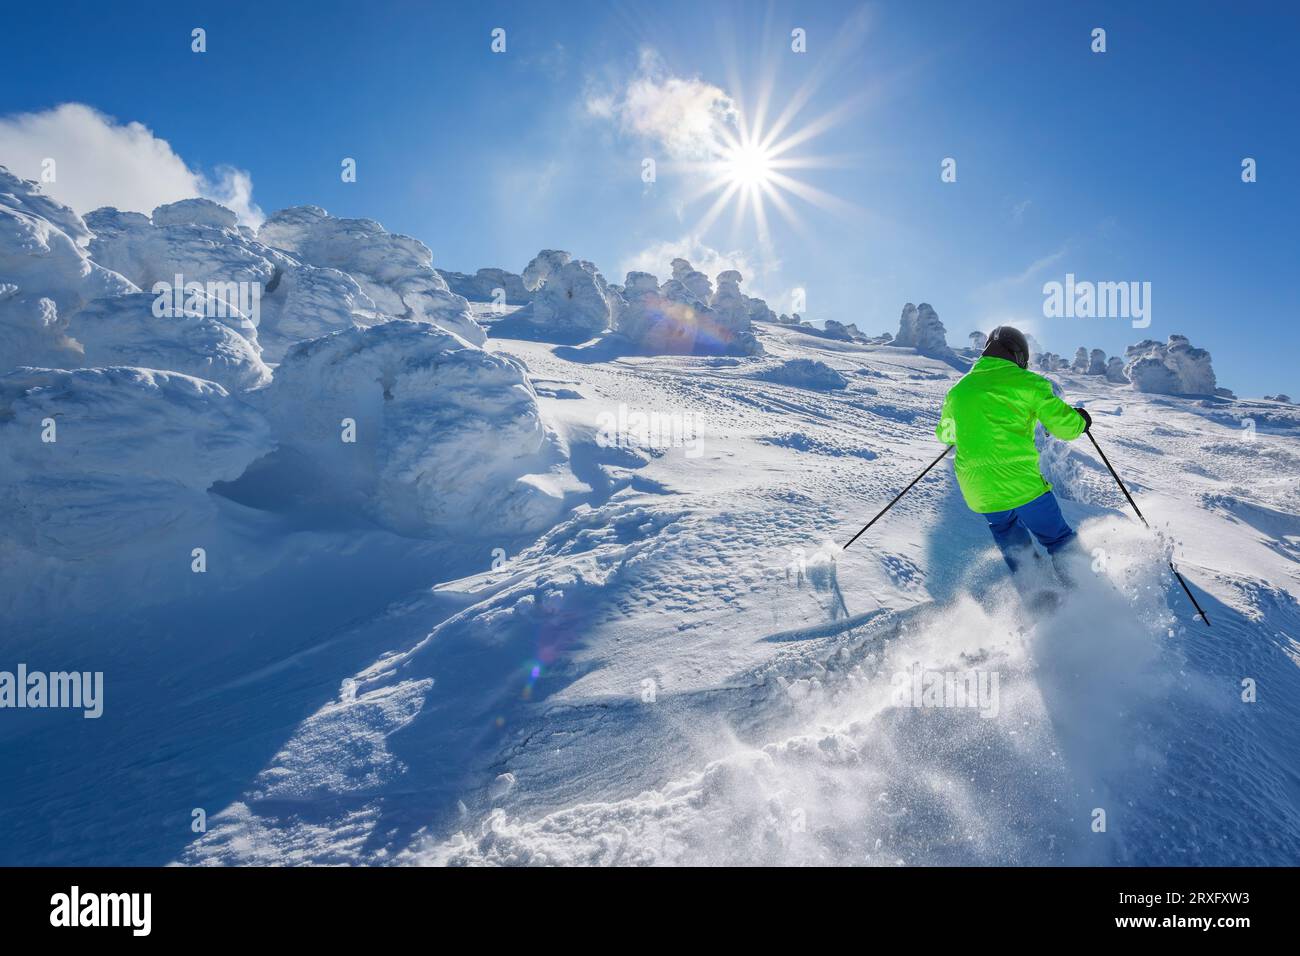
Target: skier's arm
1058 417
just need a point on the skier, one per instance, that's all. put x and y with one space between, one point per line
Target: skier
990 415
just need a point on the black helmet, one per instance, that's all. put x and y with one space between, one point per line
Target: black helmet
1008 343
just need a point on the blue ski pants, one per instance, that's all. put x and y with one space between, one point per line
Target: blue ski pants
1042 517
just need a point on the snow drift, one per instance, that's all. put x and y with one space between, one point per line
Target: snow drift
805 373
132 455
845 769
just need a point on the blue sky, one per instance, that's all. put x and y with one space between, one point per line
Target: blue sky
1122 166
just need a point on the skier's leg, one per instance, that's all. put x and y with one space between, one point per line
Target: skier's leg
1043 517
1011 537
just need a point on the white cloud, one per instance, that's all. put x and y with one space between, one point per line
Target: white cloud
101 162
683 115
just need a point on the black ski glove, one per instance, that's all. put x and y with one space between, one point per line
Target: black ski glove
1087 419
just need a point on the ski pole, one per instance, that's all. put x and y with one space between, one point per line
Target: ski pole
1138 512
899 495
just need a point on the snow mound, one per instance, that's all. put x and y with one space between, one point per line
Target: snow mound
760 311
196 212
542 266
46 276
195 241
919 328
25 195
573 304
482 286
1172 368
1051 362
1086 362
694 280
133 454
843 332
393 270
731 305
186 253
125 330
444 435
806 373
305 302
673 320
735 305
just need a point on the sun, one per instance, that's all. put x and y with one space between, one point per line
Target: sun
752 152
747 164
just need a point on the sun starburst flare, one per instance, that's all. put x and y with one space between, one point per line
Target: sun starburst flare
749 168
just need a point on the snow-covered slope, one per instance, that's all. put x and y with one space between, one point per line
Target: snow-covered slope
558 605
687 670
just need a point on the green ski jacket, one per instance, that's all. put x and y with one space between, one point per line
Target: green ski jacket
990 416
